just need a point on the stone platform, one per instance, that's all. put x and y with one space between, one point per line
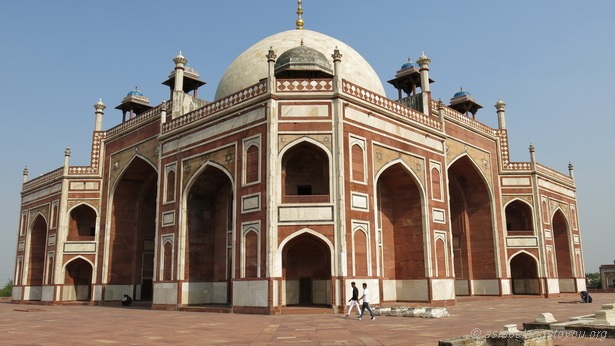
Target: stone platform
136 325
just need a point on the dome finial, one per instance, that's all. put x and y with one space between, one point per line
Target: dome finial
299 21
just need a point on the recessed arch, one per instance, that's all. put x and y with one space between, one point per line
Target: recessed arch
77 279
305 171
400 207
523 267
471 215
519 217
183 231
82 222
563 251
207 236
306 269
132 229
37 254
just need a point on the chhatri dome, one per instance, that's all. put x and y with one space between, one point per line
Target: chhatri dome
251 65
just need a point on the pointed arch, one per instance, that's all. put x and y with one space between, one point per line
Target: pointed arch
82 222
305 169
564 258
523 267
400 223
278 253
131 229
183 230
474 240
306 262
37 245
360 251
519 217
78 279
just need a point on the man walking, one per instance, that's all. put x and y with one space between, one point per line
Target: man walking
365 298
354 301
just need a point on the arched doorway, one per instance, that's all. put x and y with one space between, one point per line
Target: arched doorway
36 260
524 274
133 231
77 280
472 227
400 223
209 251
563 258
306 266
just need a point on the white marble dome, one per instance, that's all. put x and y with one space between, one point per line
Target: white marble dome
251 65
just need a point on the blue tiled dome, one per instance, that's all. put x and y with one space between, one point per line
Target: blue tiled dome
135 92
409 64
461 93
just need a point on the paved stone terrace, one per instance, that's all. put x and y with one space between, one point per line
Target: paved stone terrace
114 325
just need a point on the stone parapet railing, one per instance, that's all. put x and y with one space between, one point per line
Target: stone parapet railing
553 173
217 106
43 179
391 106
131 123
463 119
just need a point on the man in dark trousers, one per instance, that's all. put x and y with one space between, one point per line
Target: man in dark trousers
354 301
365 298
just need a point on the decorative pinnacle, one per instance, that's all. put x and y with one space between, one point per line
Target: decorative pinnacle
299 21
423 60
337 56
67 151
99 106
25 171
532 148
440 104
179 59
500 105
271 55
570 166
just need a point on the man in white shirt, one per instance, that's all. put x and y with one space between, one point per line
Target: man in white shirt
365 298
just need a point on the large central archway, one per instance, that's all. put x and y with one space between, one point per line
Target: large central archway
209 260
133 231
306 266
472 228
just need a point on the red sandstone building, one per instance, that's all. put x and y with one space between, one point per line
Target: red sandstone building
299 177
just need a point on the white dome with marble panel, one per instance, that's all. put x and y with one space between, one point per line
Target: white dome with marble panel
251 65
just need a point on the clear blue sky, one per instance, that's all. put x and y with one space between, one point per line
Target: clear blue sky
550 61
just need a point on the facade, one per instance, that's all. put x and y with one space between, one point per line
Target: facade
299 177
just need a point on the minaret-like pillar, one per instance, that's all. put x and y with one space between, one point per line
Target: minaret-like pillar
180 66
163 112
24 177
66 160
533 157
271 69
571 170
423 62
100 107
441 110
337 58
500 107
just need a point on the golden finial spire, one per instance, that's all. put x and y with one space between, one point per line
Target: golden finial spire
299 13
